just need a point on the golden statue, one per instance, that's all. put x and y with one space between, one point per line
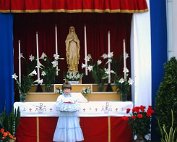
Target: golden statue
72 50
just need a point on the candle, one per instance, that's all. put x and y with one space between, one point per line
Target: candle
56 47
124 60
109 64
56 42
37 48
19 61
85 43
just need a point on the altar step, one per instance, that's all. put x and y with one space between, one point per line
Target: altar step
51 97
75 87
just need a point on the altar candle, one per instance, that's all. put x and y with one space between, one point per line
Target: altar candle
109 64
56 47
37 48
56 42
19 61
124 60
85 43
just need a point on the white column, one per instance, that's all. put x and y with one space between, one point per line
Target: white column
85 46
171 27
141 66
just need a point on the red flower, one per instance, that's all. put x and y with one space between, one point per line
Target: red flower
142 108
139 115
135 110
140 119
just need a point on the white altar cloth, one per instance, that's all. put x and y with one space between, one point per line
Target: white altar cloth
88 109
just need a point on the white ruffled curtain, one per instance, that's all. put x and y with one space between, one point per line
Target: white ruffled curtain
141 58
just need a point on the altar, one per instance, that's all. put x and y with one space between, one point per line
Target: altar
99 120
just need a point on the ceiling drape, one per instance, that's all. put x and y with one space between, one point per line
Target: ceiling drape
73 6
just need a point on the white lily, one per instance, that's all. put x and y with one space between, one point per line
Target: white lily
55 63
43 56
31 57
14 76
99 62
33 73
56 56
121 80
43 73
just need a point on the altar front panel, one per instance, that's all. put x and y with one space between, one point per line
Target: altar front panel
101 121
95 129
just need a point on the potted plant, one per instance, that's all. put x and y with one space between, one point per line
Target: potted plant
8 125
98 69
168 136
139 120
23 86
123 87
166 99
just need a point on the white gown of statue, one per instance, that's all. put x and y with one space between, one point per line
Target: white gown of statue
68 128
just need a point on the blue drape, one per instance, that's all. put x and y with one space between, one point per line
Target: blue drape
6 62
159 49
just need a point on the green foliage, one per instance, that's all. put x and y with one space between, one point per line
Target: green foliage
166 99
168 136
10 121
50 73
25 85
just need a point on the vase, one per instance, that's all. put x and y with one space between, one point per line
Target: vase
100 87
123 97
22 97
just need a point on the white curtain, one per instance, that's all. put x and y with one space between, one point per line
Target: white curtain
141 58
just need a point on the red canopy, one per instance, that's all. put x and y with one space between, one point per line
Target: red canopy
73 6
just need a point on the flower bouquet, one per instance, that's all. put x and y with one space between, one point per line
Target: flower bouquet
73 77
140 120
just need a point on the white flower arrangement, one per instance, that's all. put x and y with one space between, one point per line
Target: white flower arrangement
99 71
73 76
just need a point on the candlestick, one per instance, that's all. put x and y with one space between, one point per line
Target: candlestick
85 43
37 48
109 64
124 60
19 61
56 47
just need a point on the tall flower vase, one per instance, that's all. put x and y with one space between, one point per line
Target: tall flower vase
22 97
100 87
123 97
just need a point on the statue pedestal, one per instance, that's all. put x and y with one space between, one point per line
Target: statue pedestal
73 82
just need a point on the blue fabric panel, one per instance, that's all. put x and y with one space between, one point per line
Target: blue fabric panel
158 48
6 62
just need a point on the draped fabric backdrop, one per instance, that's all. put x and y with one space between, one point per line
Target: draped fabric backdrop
26 26
6 62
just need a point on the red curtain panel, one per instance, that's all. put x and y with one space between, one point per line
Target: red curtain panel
70 6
